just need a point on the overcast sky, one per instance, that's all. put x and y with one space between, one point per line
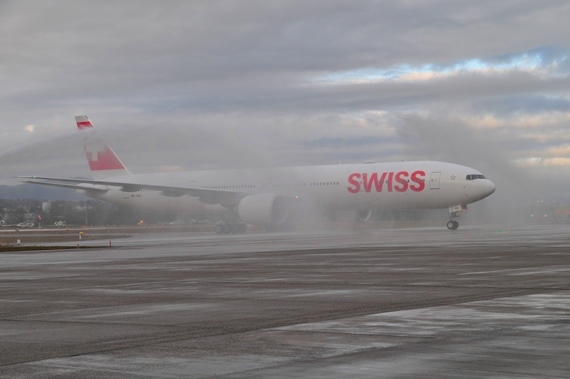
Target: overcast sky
215 84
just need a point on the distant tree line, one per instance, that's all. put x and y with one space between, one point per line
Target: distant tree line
87 212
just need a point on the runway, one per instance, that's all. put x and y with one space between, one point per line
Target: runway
392 303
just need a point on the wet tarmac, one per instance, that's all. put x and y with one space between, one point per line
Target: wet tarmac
404 303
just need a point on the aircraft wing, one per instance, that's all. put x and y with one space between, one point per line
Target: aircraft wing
208 196
84 186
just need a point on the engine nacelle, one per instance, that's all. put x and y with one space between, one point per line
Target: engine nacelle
364 215
263 209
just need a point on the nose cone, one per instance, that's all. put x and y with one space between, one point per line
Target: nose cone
490 187
484 188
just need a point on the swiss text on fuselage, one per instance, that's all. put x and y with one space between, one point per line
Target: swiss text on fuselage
390 181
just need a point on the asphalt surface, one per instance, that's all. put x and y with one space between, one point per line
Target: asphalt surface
405 303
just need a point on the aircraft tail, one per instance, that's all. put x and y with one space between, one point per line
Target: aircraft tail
103 162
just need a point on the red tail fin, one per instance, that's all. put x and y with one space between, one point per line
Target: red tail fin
83 122
103 162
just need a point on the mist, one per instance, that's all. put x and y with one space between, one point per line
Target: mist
216 85
453 140
207 144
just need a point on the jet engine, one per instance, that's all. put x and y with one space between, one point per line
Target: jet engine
263 209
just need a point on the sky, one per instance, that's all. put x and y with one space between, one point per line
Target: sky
182 85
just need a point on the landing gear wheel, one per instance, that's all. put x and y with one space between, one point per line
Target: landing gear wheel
452 225
225 227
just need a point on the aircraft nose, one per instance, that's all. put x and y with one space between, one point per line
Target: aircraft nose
480 189
487 188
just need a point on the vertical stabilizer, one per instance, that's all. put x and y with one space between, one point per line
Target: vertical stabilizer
103 162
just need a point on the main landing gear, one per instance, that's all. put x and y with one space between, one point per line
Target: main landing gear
228 227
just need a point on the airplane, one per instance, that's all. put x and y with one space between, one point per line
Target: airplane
276 198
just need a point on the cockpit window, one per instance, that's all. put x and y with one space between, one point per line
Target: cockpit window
475 176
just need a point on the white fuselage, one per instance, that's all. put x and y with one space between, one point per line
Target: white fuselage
367 186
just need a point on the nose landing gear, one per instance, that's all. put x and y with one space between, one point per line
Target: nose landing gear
453 214
452 225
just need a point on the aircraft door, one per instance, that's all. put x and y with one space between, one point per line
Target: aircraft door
434 180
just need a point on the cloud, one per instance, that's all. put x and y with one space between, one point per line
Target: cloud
222 84
536 62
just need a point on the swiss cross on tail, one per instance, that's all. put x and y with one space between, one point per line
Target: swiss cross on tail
103 162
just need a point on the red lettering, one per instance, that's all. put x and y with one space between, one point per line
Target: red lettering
390 181
368 183
373 180
418 178
381 182
355 184
402 182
